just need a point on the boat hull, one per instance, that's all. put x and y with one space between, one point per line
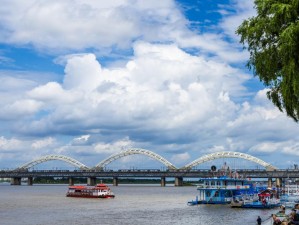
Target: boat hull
90 196
254 205
98 191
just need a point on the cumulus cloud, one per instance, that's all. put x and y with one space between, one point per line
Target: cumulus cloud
20 108
103 24
43 143
109 28
161 83
113 147
163 98
162 95
9 144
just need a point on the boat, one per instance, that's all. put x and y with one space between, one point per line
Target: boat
98 191
263 200
222 188
290 197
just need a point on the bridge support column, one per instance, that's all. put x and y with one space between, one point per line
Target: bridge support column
29 180
15 181
163 182
178 181
115 181
278 182
269 182
71 181
91 181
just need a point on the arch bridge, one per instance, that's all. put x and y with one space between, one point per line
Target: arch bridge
218 155
46 158
134 151
172 171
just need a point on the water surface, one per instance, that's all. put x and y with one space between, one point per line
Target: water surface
133 205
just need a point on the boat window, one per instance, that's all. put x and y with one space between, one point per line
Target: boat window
228 193
216 194
208 193
212 183
218 183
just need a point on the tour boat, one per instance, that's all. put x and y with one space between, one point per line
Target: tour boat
98 191
221 189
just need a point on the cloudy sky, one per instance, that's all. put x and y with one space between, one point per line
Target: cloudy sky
87 79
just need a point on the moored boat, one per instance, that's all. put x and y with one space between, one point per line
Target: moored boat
220 190
264 200
98 191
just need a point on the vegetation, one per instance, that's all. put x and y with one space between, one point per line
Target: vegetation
272 39
51 180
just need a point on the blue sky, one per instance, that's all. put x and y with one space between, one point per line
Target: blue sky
88 79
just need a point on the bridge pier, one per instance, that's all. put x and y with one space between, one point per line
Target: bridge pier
269 182
163 181
115 181
30 181
71 181
15 181
91 181
178 181
278 182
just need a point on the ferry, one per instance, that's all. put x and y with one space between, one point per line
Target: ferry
220 190
98 191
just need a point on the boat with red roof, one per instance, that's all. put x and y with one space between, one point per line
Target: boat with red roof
98 191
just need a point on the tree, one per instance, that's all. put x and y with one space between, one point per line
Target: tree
272 39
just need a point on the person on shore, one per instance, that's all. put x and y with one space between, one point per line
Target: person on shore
276 220
294 216
259 220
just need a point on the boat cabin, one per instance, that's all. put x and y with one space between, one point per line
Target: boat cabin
221 190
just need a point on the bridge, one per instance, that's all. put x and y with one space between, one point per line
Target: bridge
171 171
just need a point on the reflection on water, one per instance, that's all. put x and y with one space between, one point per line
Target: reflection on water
133 205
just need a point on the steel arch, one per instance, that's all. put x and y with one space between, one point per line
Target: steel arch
53 157
218 155
134 151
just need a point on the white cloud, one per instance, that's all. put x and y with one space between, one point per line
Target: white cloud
82 73
43 143
9 144
52 92
180 159
109 27
242 10
103 24
20 109
163 97
114 147
267 147
160 83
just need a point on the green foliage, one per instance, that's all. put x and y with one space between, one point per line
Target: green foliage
272 39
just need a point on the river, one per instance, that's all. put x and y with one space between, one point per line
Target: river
133 205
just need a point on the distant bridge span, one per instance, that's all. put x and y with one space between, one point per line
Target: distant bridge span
150 154
218 155
54 157
134 151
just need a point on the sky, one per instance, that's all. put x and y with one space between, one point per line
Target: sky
88 79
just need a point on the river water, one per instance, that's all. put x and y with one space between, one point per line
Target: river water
133 205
